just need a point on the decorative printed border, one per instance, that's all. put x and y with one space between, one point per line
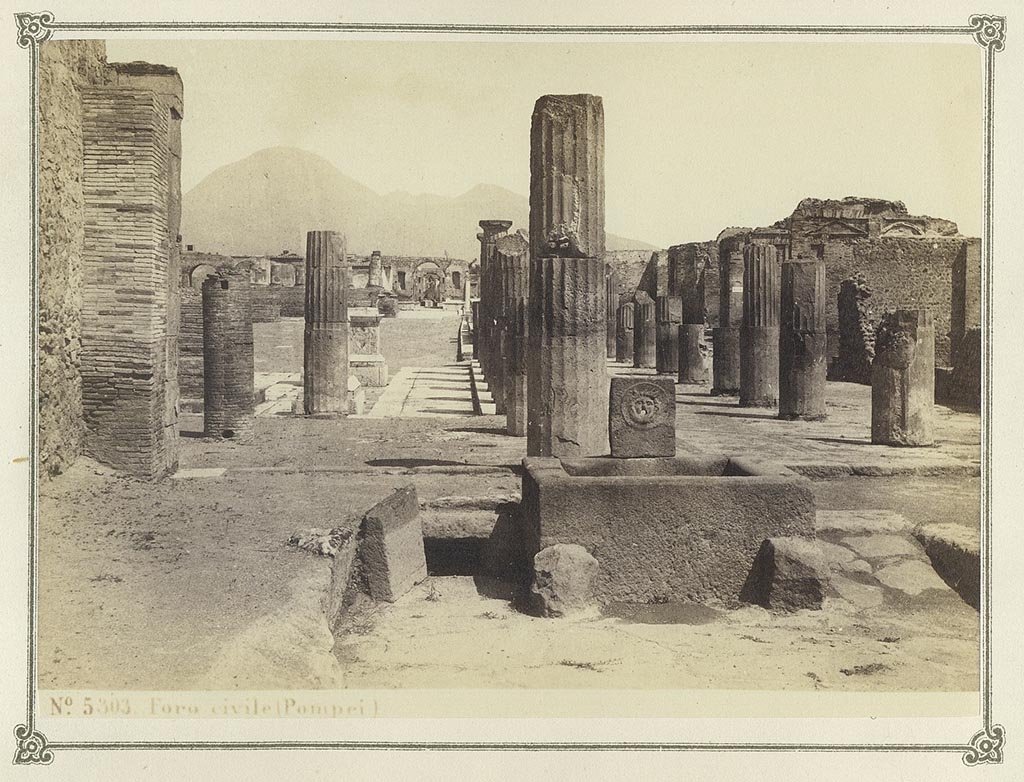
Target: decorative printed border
986 746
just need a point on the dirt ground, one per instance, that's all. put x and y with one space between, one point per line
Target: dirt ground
190 583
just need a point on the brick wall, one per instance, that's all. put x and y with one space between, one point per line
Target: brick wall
190 345
228 357
131 143
65 68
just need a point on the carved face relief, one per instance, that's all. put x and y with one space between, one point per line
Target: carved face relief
642 405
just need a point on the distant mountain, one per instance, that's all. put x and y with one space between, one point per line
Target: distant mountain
265 204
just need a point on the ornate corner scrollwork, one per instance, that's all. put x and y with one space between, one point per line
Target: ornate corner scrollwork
31 747
989 31
986 746
34 28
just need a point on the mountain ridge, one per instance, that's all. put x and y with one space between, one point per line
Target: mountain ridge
268 200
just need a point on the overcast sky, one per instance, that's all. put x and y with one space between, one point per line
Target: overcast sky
699 136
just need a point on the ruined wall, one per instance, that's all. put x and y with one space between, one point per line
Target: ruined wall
629 267
65 68
901 272
131 184
190 347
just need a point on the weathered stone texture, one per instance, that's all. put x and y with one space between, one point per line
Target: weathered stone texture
692 369
228 357
668 313
611 308
789 573
65 68
642 417
966 295
563 576
325 352
567 177
513 259
903 379
190 346
726 357
391 554
567 379
856 332
682 529
802 340
624 332
130 308
489 293
759 334
645 331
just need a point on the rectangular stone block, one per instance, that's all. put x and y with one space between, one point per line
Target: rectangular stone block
665 530
391 550
642 417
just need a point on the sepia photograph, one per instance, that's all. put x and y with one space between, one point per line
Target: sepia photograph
512 372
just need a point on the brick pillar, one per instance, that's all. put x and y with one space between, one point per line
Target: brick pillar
645 340
325 364
803 340
567 375
726 358
611 282
130 179
492 229
903 379
669 313
375 277
624 333
228 361
759 334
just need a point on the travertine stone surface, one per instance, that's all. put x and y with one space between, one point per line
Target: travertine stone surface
803 340
567 177
567 382
391 555
903 379
325 365
228 358
759 335
492 230
726 358
624 333
611 308
692 370
513 254
645 334
668 313
642 417
562 580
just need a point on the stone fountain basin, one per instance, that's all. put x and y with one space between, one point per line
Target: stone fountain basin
684 528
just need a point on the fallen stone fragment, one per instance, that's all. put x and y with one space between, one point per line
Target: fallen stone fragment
788 574
391 549
562 579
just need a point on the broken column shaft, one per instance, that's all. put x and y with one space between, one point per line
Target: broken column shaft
624 333
568 381
611 282
903 379
759 334
669 314
645 338
325 354
492 229
227 356
803 340
726 338
688 274
515 341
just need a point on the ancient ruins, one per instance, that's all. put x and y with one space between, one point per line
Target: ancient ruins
552 429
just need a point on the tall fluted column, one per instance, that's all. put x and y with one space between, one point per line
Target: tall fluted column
510 253
227 356
611 282
567 377
325 364
803 340
645 338
759 335
726 358
688 274
903 379
492 229
669 314
514 255
624 333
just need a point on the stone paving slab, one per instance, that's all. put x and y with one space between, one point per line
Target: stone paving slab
422 392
